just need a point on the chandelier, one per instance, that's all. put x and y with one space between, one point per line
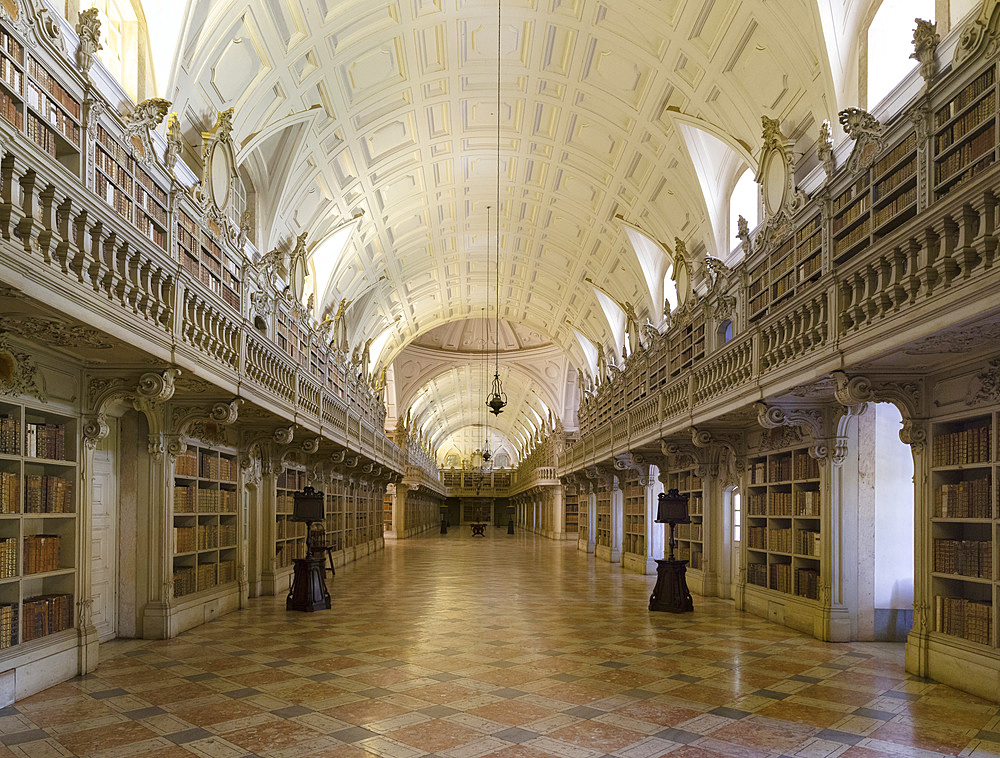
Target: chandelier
498 398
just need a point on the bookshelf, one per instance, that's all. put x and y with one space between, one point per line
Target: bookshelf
38 527
965 506
634 511
602 537
965 133
289 536
687 345
387 500
211 264
851 225
784 523
894 186
36 103
571 505
205 520
334 510
795 261
129 189
583 536
690 537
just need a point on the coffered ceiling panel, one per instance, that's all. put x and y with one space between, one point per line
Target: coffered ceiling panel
404 129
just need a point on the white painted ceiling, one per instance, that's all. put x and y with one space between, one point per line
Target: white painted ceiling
389 107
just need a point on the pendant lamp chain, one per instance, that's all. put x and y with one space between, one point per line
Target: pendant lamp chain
498 398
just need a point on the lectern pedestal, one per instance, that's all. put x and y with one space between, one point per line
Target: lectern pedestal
671 592
308 591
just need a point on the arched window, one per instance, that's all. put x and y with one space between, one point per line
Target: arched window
744 201
725 332
119 42
670 289
890 42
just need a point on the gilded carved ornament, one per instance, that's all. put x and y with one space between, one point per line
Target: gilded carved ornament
19 374
925 42
868 135
88 29
139 125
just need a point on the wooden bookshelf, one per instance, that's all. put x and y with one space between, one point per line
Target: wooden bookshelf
851 226
38 527
794 261
894 186
205 520
583 518
36 102
208 261
965 133
687 345
387 500
293 338
690 537
602 537
965 517
571 505
634 512
783 523
289 536
130 190
333 508
809 250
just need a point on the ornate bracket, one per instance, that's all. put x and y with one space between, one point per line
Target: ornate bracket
906 396
139 125
205 423
19 373
633 462
149 394
810 420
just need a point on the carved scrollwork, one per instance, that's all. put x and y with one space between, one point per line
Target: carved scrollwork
284 435
88 29
985 386
19 374
157 387
140 124
868 135
95 429
311 445
981 36
925 42
856 390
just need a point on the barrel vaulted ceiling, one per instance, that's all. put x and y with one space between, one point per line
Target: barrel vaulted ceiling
388 107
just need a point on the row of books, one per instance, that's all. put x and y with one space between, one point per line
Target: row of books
45 441
150 206
984 109
959 617
41 553
807 583
810 266
963 156
779 540
8 625
185 539
888 211
41 135
852 214
8 557
52 88
781 577
150 231
852 238
807 503
11 74
970 445
689 532
685 482
115 150
757 504
757 574
967 173
968 499
113 196
46 614
9 110
289 529
117 173
848 196
964 557
9 492
11 46
696 505
895 155
151 187
185 581
214 466
757 537
211 536
808 542
973 90
186 464
56 117
47 494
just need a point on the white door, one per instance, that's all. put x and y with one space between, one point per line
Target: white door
104 536
734 555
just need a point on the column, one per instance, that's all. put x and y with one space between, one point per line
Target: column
617 520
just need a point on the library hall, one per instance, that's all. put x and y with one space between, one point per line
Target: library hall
513 378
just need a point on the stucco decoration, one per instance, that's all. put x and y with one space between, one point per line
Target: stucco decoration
981 35
868 135
88 29
19 374
139 125
985 386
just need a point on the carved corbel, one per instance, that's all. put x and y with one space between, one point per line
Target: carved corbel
906 396
207 424
633 462
723 454
810 420
284 435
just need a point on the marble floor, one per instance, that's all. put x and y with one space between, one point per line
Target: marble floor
512 647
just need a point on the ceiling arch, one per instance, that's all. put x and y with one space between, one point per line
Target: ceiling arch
404 130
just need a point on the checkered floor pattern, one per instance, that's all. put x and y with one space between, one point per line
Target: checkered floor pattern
514 647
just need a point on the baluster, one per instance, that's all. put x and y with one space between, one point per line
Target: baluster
873 303
9 195
144 297
64 223
911 251
80 245
108 271
946 265
966 257
845 294
168 293
46 226
860 295
28 227
96 265
986 241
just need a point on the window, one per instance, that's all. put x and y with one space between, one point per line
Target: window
744 201
736 500
725 332
890 42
